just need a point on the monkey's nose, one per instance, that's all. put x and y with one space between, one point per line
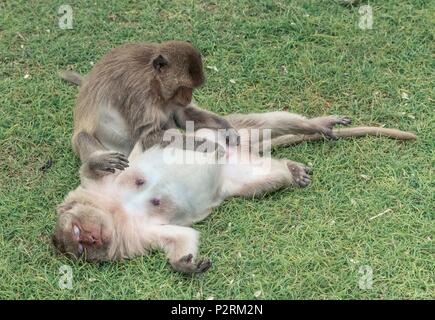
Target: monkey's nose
90 239
155 201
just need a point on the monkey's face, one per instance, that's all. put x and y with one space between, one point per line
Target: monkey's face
183 96
179 68
83 231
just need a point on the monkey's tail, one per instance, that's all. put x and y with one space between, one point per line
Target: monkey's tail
71 76
374 131
346 133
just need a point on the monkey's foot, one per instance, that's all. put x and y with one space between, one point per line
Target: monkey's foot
187 266
340 120
107 161
300 173
326 124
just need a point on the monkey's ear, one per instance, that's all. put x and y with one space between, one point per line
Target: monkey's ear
54 241
58 245
159 63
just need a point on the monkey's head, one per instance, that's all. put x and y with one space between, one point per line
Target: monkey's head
83 230
178 69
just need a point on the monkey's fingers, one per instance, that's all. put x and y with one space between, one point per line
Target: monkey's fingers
107 169
304 181
111 168
120 167
332 121
345 121
187 259
185 265
308 169
107 163
324 125
300 173
117 160
116 156
203 265
121 163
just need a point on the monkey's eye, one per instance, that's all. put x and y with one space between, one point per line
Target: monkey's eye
80 249
76 231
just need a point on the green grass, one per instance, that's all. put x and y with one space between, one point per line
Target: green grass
305 56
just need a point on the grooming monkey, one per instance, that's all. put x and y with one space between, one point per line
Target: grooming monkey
135 93
153 203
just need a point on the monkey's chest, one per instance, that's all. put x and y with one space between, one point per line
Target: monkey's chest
169 193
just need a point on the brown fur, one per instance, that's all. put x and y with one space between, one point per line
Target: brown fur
137 91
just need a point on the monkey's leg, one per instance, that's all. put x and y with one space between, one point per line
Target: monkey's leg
97 161
282 123
262 176
287 140
180 245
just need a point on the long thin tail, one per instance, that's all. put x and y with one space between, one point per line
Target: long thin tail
71 76
374 131
346 133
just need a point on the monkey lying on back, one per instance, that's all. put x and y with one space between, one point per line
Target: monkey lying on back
135 93
153 203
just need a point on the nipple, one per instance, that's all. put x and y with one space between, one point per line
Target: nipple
155 201
139 182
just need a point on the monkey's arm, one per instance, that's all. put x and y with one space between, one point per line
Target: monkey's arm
205 119
180 245
178 140
96 160
85 144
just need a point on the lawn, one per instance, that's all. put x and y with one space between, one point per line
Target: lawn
309 57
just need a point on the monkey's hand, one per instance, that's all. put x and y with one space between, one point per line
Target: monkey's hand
232 137
207 146
105 162
187 266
